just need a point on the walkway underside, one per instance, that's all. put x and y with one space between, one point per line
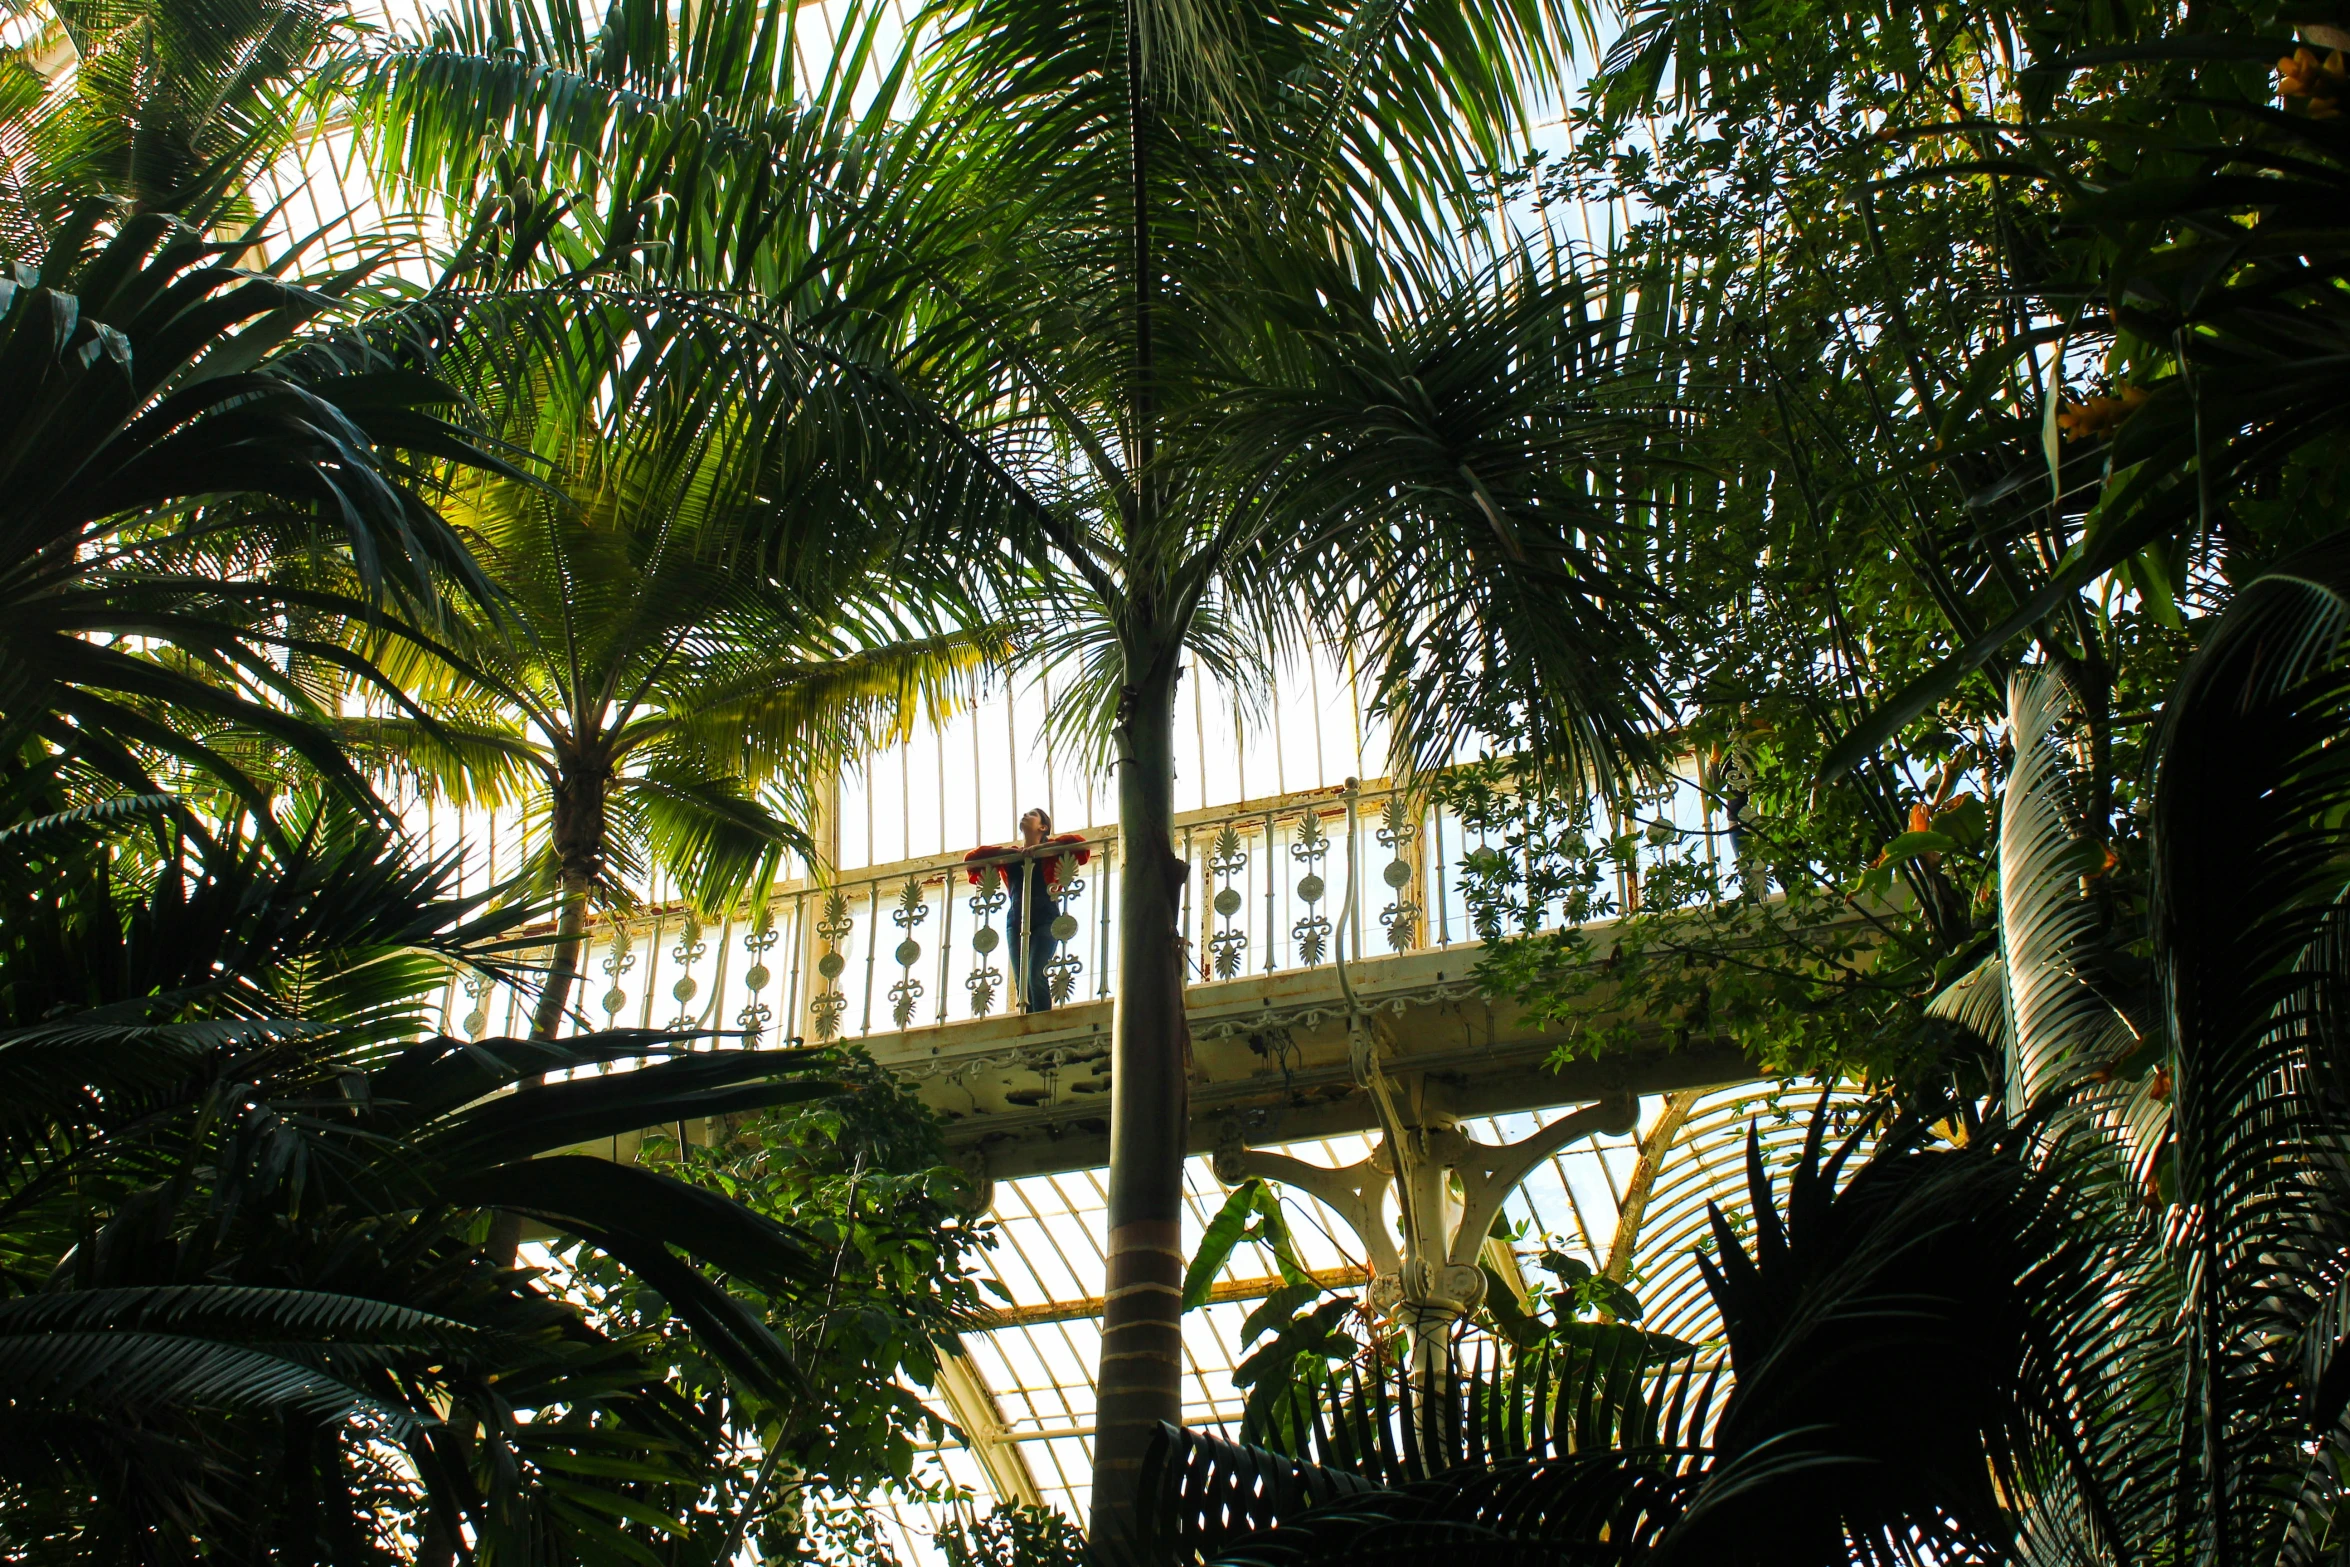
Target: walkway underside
1026 1095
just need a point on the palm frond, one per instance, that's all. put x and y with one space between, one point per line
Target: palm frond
2062 1026
2249 872
1452 478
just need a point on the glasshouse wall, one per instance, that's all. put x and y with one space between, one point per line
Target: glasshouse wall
1834 514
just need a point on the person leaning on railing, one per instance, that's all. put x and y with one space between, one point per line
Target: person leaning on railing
1033 879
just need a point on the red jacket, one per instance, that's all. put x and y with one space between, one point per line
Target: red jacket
1002 856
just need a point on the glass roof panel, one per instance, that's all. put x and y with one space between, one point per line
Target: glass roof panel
1048 1260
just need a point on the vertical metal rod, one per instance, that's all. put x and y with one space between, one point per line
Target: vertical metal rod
1615 830
872 948
652 973
1191 949
1025 906
1420 870
906 799
1199 733
799 961
1443 919
1354 905
1354 700
716 1014
1239 753
1705 822
1012 746
1102 892
946 925
1044 686
1272 889
1314 695
1280 745
1534 909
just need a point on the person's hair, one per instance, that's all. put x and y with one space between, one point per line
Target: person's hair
1041 814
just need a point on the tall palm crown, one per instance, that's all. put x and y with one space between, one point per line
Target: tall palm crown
1248 380
1193 309
646 680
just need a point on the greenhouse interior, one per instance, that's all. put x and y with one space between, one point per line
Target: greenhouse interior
1144 783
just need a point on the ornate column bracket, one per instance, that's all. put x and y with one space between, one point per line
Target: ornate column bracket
1488 1175
1433 1279
1357 1193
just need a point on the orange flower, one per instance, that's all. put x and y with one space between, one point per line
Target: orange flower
2085 421
2320 84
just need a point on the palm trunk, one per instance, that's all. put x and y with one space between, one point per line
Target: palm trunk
570 940
1140 1379
578 822
576 818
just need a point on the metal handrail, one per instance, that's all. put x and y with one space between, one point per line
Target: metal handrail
911 945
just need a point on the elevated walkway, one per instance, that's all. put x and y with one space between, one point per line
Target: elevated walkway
911 962
1026 1094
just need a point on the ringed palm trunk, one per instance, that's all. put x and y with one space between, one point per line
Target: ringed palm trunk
1139 1379
577 818
578 821
570 939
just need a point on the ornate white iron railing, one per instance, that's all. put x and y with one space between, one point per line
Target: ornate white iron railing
926 944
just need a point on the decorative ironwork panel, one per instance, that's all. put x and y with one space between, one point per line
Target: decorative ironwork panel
1061 970
1398 827
1312 930
1227 860
619 958
477 1018
690 949
911 911
985 939
834 928
758 942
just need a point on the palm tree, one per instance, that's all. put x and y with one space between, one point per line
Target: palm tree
200 485
656 681
1198 310
242 1192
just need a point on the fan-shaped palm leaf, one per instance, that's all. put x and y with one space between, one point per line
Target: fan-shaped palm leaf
152 421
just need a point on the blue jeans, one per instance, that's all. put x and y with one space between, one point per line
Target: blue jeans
1028 966
1032 940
